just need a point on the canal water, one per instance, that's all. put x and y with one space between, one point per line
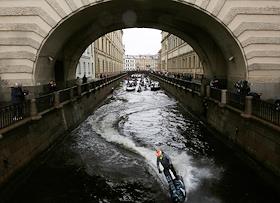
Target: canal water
110 157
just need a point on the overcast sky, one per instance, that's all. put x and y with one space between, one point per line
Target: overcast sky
141 41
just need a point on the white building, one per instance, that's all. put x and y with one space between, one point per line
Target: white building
86 65
129 63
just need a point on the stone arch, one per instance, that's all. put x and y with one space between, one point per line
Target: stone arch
216 45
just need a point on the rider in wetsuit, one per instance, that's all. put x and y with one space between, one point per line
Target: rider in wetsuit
165 161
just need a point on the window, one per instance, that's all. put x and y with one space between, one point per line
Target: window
84 68
79 68
193 61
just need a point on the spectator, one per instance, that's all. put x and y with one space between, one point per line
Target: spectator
51 89
214 83
17 96
242 87
78 81
52 86
84 79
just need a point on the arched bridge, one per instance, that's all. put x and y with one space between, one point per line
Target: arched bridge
234 39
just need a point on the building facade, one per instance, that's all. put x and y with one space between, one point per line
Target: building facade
109 54
129 63
86 65
103 57
176 56
141 62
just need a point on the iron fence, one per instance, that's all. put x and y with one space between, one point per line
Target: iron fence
45 102
196 87
236 100
215 93
64 95
266 111
75 91
12 113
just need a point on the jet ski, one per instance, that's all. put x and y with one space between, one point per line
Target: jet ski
176 188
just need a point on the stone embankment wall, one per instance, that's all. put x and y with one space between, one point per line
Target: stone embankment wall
28 138
254 140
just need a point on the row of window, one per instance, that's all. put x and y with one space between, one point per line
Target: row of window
105 45
108 66
84 68
185 61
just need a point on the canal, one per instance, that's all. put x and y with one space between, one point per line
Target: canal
110 157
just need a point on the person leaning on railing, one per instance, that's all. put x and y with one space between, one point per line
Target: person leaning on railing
17 97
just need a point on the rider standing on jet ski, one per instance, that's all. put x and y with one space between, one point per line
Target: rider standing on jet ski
165 161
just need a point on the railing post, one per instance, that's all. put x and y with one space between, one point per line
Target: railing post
71 93
33 110
223 96
208 89
248 107
202 90
79 89
56 99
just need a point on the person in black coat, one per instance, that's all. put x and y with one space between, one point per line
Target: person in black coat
165 161
52 86
17 96
84 79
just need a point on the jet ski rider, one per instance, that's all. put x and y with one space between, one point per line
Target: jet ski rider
165 161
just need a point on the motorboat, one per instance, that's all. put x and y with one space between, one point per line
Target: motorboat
155 86
130 87
177 188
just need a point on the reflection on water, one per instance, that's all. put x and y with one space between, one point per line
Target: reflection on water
110 158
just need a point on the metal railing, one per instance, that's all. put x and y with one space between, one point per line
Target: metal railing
45 102
184 83
215 93
266 111
65 95
236 100
11 114
261 109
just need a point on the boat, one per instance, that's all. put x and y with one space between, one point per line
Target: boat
155 86
177 188
130 87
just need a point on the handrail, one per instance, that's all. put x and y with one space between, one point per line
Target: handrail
267 111
261 109
10 114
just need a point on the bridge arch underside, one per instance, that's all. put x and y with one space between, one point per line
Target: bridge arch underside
210 39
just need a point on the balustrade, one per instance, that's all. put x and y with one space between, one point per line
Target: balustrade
13 113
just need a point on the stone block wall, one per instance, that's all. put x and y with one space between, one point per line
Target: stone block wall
26 141
252 139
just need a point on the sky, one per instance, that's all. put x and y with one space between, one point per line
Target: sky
141 41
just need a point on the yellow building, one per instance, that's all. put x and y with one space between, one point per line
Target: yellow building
109 54
176 56
104 56
146 62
